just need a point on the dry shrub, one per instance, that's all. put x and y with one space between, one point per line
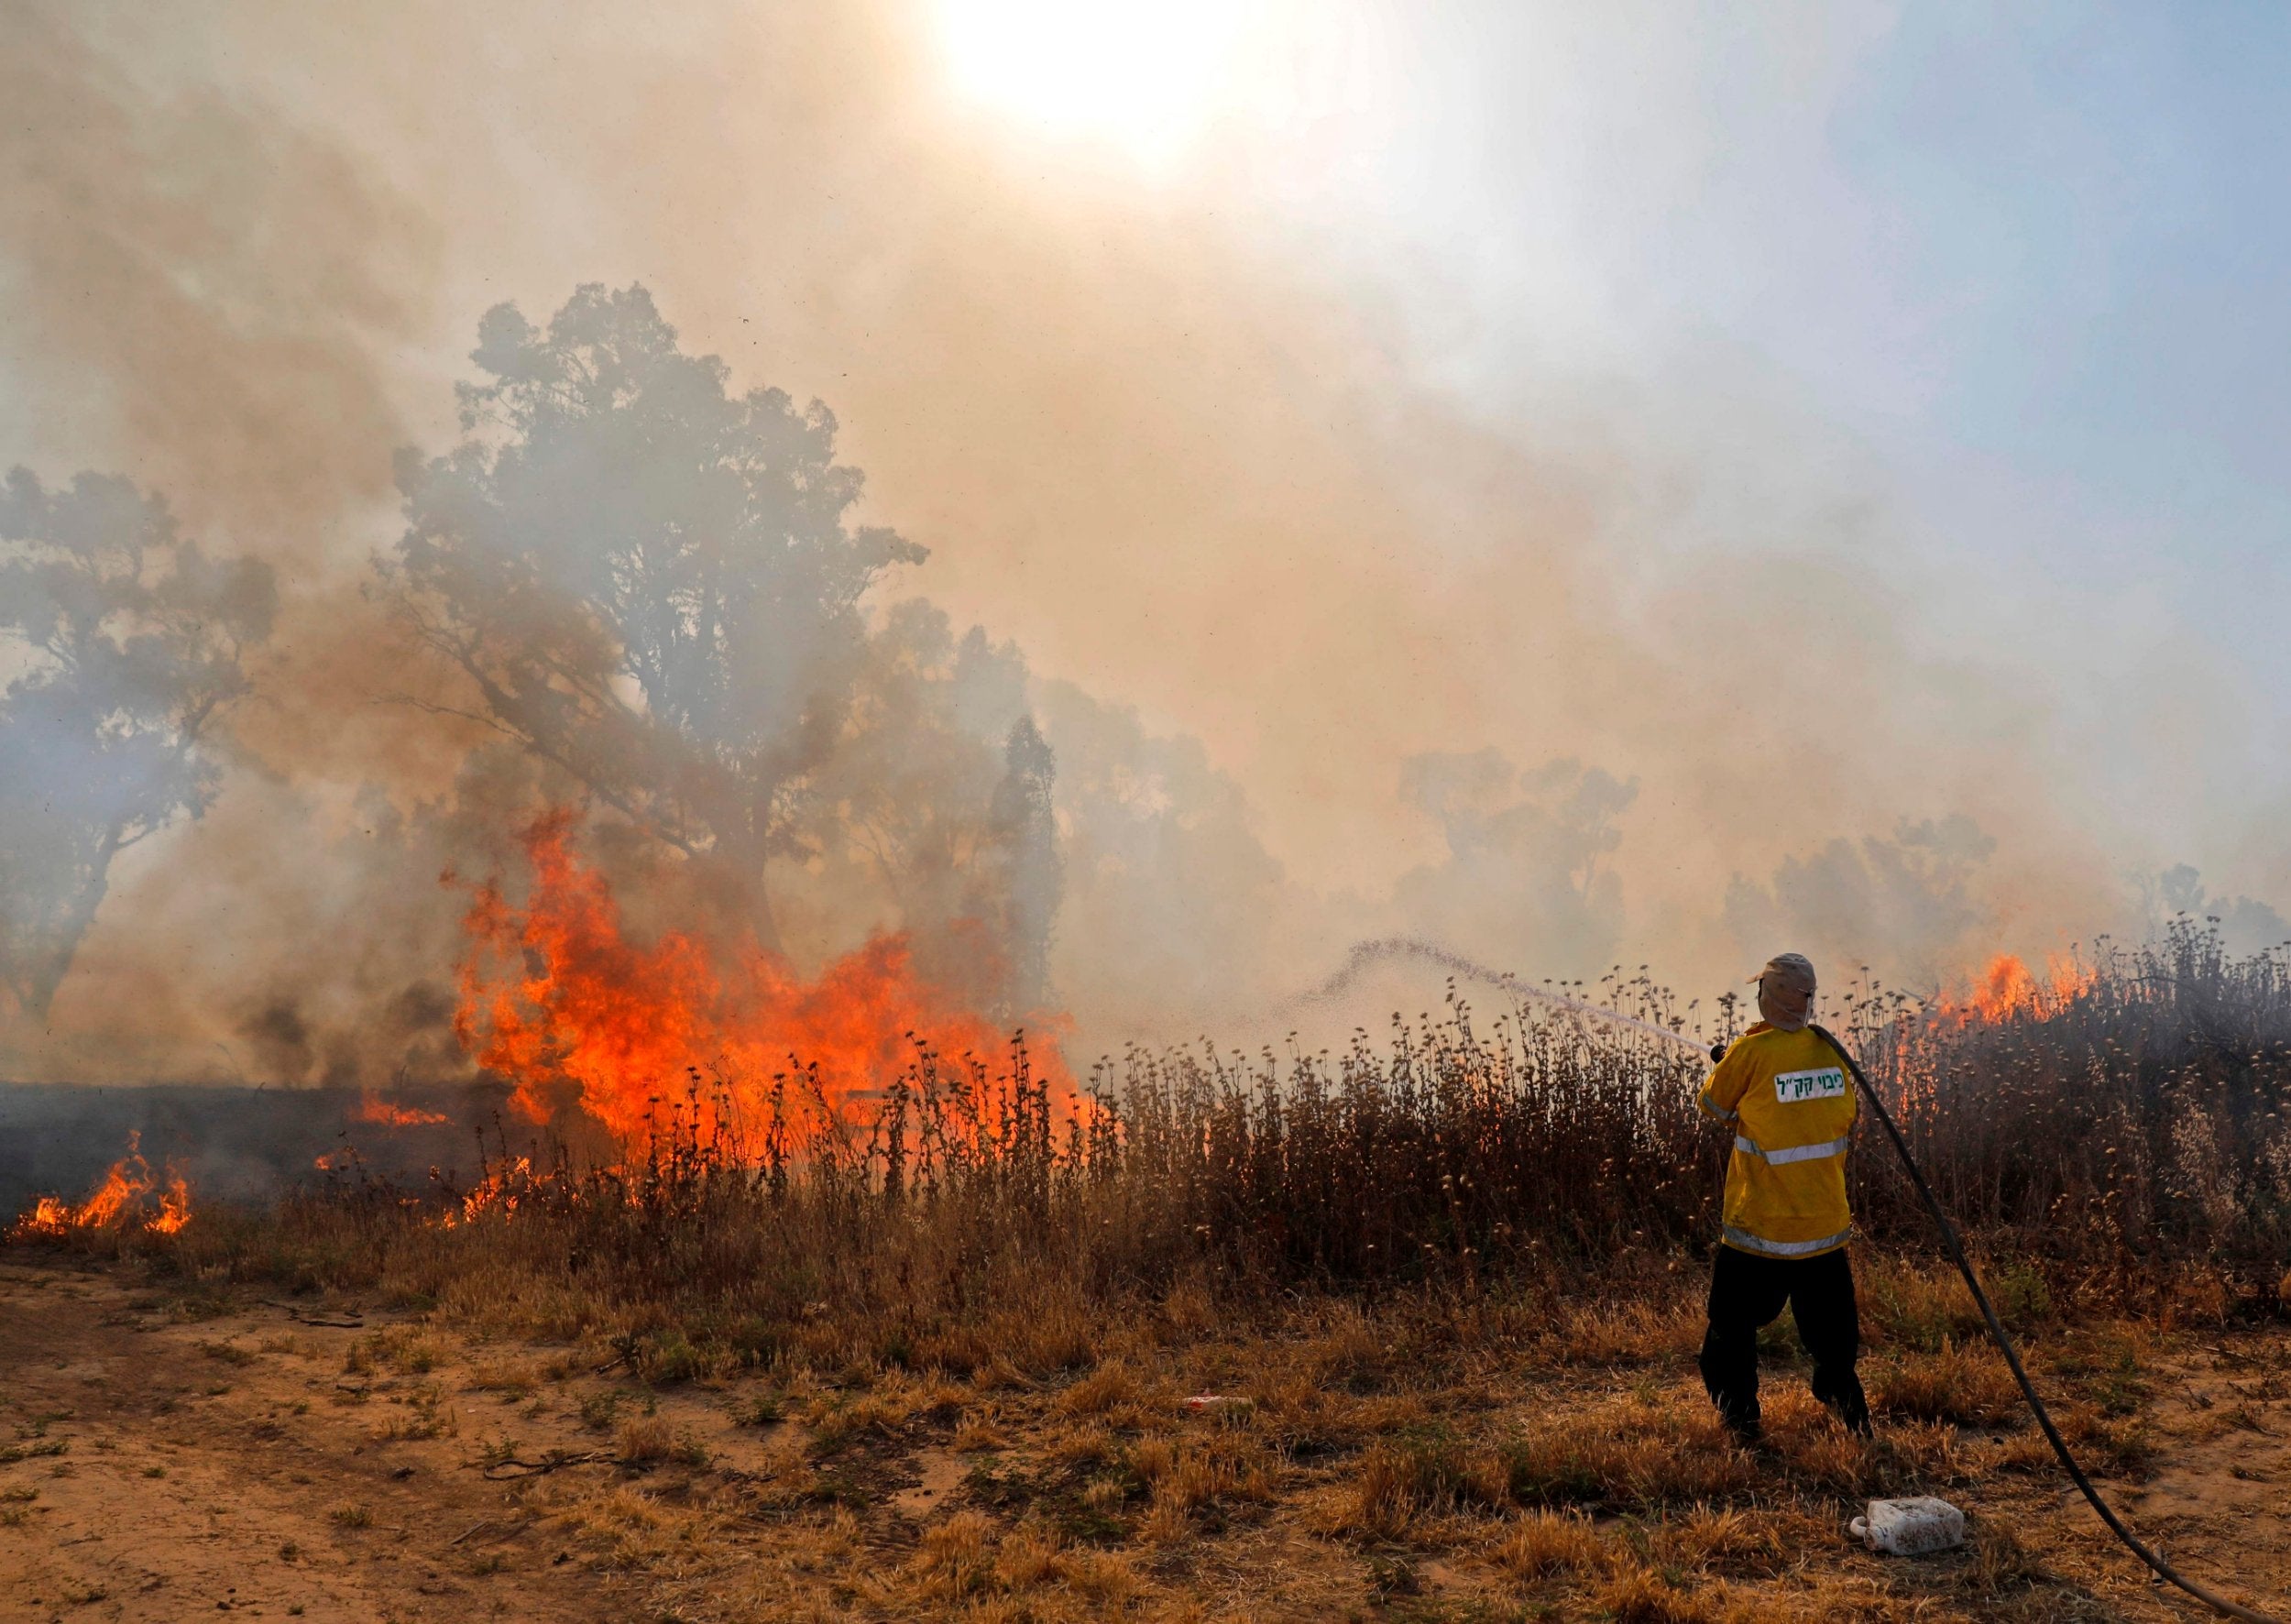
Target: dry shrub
955 1560
836 1418
1736 1541
1290 1400
1046 1337
1909 1304
1151 1458
1194 1480
401 1348
1637 1594
667 1356
1542 1544
645 1439
1028 1558
2000 1563
977 1431
1189 1312
1598 1460
1969 1385
513 1379
1101 1579
1353 1352
635 1530
998 1375
422 1416
960 1349
1399 1480
2105 1446
1083 1447
1185 1479
1518 1151
1820 1453
1931 1452
2196 1299
1102 1390
1165 1523
998 1609
1632 1332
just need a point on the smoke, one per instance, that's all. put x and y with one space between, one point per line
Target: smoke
2246 925
1916 891
1311 646
1529 860
199 284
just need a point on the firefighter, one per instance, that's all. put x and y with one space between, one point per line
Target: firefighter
1784 1093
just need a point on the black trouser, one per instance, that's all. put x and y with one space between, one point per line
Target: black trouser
1747 1291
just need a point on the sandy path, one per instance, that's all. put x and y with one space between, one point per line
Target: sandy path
155 1479
154 1467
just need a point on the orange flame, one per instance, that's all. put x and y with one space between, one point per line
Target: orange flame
174 1206
498 1190
128 1194
555 991
374 1109
2007 990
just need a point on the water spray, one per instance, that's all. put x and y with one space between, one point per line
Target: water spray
1367 954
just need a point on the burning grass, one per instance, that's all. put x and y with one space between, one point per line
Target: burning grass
129 1198
1428 1304
978 1219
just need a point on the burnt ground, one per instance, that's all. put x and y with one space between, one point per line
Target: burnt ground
61 1137
173 1454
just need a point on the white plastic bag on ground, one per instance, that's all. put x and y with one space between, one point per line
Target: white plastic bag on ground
1911 1526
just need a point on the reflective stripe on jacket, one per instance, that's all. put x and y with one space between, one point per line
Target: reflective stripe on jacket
1791 1107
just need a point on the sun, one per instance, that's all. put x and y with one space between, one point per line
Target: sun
1148 78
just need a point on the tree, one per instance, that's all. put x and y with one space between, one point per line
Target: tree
911 785
1908 904
649 583
131 645
942 791
1028 877
1527 878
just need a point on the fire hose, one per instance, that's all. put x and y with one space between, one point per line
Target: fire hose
1367 952
2133 1542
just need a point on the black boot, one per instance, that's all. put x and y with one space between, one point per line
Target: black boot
1846 1400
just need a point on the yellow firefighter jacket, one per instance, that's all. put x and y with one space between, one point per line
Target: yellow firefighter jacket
1790 1104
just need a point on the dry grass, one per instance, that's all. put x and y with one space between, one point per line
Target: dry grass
1472 1473
1447 1293
1545 1544
969 1230
1968 1385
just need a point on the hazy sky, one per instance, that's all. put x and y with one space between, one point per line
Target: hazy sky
1825 415
2012 276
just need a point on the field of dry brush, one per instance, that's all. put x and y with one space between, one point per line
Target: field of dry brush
1404 1332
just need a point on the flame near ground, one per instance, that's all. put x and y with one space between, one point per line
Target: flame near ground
129 1194
2007 987
553 992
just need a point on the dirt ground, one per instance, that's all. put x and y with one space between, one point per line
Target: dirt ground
167 1456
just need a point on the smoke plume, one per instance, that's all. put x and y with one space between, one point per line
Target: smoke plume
1188 625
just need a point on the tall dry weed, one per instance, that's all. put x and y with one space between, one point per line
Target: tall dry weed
2131 1124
